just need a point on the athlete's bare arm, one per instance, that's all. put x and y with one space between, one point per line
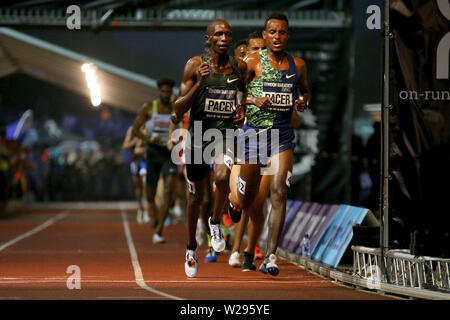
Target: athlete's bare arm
295 119
139 149
172 127
254 68
142 118
129 141
194 75
302 104
242 94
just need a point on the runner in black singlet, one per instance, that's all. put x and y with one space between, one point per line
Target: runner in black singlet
213 88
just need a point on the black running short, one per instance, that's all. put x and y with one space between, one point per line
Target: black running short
158 161
199 160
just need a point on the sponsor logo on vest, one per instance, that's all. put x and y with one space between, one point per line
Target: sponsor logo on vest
232 80
288 76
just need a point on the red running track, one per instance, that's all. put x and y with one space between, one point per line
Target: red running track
117 260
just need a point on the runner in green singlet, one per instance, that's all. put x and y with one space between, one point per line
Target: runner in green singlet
277 84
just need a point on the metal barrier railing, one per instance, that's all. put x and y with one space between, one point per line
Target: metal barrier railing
401 268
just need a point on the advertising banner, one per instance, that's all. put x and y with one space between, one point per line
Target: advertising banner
330 229
336 238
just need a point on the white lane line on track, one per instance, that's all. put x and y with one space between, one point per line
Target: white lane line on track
163 281
41 227
135 262
129 298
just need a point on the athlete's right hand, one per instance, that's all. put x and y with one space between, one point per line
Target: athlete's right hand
202 72
263 102
154 140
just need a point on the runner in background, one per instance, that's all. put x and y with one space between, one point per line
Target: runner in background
5 170
240 49
138 170
158 156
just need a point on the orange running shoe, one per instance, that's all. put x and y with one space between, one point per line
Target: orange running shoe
227 220
258 254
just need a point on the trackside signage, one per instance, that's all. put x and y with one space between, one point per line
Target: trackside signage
330 228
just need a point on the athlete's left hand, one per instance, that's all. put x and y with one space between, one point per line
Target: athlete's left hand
175 119
172 143
303 102
240 114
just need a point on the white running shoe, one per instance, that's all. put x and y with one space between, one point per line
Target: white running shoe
139 216
217 240
269 265
235 260
191 264
178 212
200 234
158 239
146 217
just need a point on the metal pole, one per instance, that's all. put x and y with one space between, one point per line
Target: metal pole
384 168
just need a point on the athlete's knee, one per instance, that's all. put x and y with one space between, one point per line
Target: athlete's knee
233 199
205 201
255 213
169 185
278 196
221 177
151 194
245 202
195 199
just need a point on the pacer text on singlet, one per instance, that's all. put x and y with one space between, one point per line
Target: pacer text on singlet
280 94
220 103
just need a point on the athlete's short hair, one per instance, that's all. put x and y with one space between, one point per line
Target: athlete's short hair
165 81
240 43
276 16
255 35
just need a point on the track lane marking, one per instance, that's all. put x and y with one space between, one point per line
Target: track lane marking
41 227
4 281
129 297
135 262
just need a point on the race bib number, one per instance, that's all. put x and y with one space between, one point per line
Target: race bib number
280 94
288 179
191 187
228 161
241 185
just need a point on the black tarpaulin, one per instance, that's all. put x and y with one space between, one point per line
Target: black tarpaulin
419 129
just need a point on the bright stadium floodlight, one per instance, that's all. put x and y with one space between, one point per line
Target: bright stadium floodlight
94 89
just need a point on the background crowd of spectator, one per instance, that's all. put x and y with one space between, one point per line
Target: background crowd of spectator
65 172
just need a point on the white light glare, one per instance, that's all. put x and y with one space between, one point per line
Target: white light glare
89 69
